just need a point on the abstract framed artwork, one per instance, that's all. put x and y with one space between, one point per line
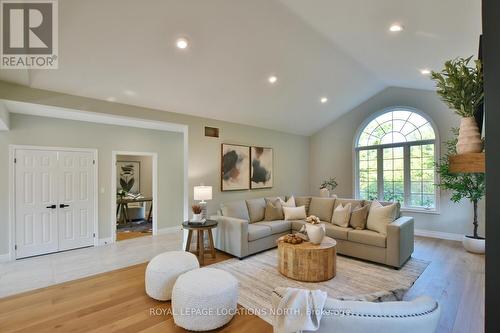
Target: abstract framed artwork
261 169
128 176
235 167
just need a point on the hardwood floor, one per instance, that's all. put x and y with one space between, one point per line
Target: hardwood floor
131 234
116 301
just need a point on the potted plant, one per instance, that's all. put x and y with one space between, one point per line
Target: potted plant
470 186
314 229
327 187
460 86
197 213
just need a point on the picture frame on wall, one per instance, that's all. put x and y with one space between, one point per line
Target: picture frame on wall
261 167
235 167
128 176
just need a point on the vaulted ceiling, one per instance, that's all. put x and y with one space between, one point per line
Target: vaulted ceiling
124 50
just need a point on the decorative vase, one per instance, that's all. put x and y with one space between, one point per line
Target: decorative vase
469 138
474 245
315 232
197 217
324 193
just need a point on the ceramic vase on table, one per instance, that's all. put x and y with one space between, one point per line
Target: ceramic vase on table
469 138
197 217
315 232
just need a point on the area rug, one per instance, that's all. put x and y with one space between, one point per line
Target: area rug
355 280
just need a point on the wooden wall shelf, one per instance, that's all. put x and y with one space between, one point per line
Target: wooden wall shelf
467 163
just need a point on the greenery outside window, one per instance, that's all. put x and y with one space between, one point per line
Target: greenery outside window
395 156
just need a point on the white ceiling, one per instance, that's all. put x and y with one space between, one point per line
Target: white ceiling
125 49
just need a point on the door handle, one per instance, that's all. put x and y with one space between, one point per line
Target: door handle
63 206
52 206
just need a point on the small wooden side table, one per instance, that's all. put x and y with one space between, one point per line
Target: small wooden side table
200 244
308 262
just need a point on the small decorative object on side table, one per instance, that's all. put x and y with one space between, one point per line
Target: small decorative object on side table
202 193
200 243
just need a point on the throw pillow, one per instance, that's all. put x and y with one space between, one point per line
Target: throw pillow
289 203
380 216
294 213
341 215
358 217
274 211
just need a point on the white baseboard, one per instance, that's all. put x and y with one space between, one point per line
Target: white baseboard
438 234
168 230
105 241
4 257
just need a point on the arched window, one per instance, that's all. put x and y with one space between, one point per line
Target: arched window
395 156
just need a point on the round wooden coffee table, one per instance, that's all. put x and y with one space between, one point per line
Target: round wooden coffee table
308 262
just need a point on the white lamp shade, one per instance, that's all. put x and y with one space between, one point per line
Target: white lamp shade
202 193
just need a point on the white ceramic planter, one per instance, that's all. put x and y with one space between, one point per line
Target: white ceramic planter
469 138
315 232
197 217
324 193
474 245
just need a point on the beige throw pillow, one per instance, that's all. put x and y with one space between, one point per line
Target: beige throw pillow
380 216
289 203
294 213
341 215
358 217
303 201
274 211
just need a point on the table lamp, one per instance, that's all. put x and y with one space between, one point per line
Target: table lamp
203 193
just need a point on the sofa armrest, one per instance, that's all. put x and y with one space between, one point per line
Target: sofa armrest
400 239
231 235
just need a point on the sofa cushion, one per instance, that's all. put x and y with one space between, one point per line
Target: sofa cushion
257 231
322 208
353 202
336 232
341 215
256 209
367 237
303 201
237 209
297 224
273 211
380 216
277 226
290 202
294 213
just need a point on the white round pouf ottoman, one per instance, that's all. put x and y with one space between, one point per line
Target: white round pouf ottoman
204 299
164 269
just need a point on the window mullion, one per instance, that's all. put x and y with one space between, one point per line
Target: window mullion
380 174
407 175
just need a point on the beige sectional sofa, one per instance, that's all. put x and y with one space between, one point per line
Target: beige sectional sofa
242 231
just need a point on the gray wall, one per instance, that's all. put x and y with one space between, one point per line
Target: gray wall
331 152
291 152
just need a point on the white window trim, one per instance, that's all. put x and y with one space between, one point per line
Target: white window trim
437 154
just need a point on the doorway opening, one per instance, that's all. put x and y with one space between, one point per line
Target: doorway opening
135 189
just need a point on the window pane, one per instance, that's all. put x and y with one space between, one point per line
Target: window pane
423 190
368 174
393 175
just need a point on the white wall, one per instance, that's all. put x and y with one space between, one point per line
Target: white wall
331 152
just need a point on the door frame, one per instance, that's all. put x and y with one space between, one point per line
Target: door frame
12 190
154 179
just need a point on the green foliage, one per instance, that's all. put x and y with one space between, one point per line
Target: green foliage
329 184
471 186
460 86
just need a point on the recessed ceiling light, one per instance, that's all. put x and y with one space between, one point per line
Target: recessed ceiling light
323 100
396 28
182 43
129 92
272 79
425 71
111 99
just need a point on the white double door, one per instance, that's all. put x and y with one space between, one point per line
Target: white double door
54 201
